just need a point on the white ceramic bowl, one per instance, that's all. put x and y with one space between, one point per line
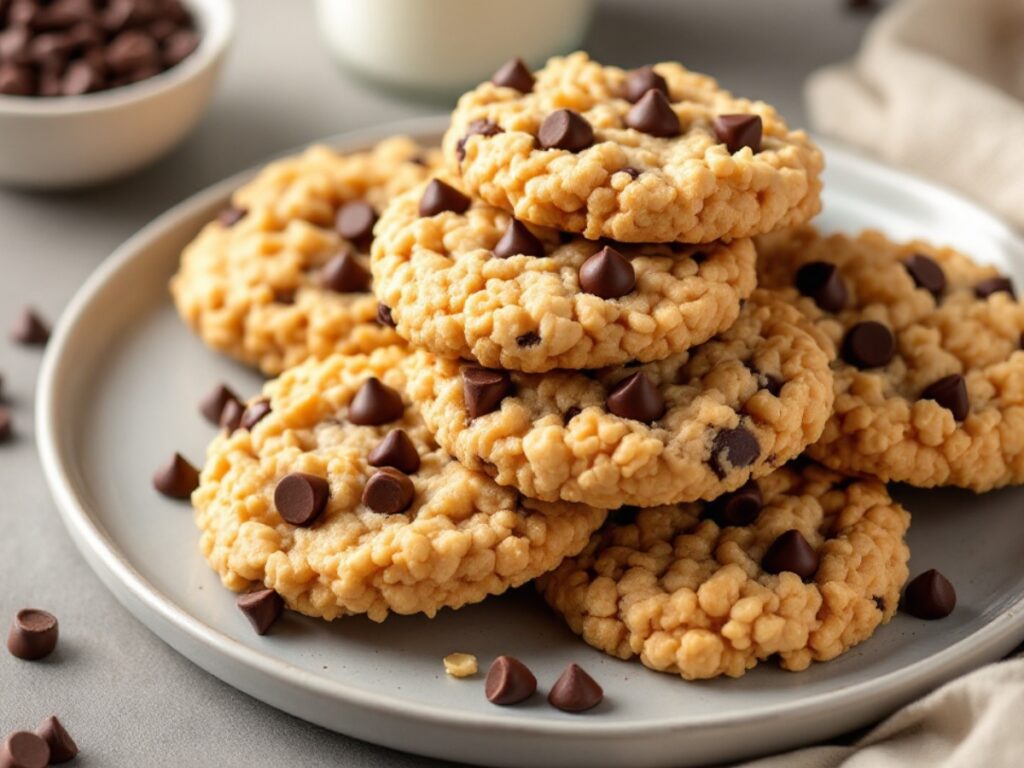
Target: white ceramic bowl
75 141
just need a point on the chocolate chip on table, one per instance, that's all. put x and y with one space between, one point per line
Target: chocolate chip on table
212 406
514 74
566 130
262 608
926 273
791 552
388 491
30 329
575 691
33 634
396 450
640 81
483 389
822 282
868 345
375 403
733 449
654 116
528 339
62 747
739 508
176 479
509 681
384 316
929 596
301 498
951 393
476 128
439 197
344 274
355 221
993 285
6 429
518 240
638 398
24 750
254 413
607 274
739 131
231 216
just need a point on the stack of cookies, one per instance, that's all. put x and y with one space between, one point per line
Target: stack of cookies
592 341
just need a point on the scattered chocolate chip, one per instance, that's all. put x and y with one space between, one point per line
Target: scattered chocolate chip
212 406
301 498
638 398
528 339
476 128
384 316
176 479
640 81
62 747
738 131
254 413
772 384
231 416
993 285
566 130
355 221
262 608
396 450
822 282
30 329
791 552
926 273
653 115
929 596
375 403
869 345
344 274
509 681
439 197
951 393
518 241
6 428
733 449
24 750
231 216
739 508
607 274
33 634
575 691
514 74
483 389
388 491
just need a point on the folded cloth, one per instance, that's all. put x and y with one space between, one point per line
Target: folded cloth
938 87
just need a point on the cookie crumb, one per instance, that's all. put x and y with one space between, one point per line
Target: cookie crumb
460 664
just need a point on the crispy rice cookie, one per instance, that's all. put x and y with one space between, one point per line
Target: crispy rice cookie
693 426
948 408
256 287
631 185
463 537
459 285
669 585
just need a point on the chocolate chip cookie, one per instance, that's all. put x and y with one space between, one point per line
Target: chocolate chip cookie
332 492
802 564
692 426
658 154
930 372
470 281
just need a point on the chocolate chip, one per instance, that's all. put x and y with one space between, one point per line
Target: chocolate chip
344 274
733 449
791 552
16 81
30 329
879 602
633 172
929 596
476 128
262 608
993 285
62 747
575 691
388 491
284 296
178 46
231 216
439 197
571 413
254 413
653 115
607 274
640 81
355 221
384 316
81 77
636 397
869 345
528 339
231 416
301 498
6 430
951 393
483 389
926 273
566 130
33 634
518 241
738 131
375 403
212 406
396 450
514 74
509 681
176 479
14 45
821 281
772 384
739 508
131 50
24 750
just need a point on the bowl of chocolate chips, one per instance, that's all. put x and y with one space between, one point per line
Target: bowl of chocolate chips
91 90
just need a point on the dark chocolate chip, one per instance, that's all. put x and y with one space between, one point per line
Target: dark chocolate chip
822 282
772 384
388 491
16 81
81 77
24 750
375 403
254 413
132 50
355 221
738 131
6 428
571 413
869 345
575 691
33 634
344 274
439 197
396 450
640 81
733 449
653 115
231 416
30 329
518 241
994 285
566 130
607 274
14 43
528 339
791 552
483 389
879 602
178 46
509 681
476 128
929 596
176 479
300 498
261 607
636 397
739 508
384 316
62 747
212 406
926 273
231 216
633 172
514 74
284 296
951 393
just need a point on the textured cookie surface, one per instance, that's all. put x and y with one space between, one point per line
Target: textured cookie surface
629 184
690 596
478 285
692 426
275 280
461 538
947 407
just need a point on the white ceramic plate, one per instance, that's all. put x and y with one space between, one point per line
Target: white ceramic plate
119 392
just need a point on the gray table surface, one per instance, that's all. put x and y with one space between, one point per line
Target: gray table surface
128 698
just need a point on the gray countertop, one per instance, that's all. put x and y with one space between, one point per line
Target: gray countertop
126 697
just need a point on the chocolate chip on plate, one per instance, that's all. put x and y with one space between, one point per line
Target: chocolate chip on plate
518 240
396 450
212 406
509 681
993 285
739 508
566 130
176 479
231 216
514 74
375 403
301 498
607 274
640 81
791 552
388 491
261 607
733 449
929 596
654 116
483 389
638 398
951 393
439 197
476 128
355 221
344 274
739 131
575 691
822 282
869 345
926 273
384 316
24 750
30 329
62 747
33 634
254 413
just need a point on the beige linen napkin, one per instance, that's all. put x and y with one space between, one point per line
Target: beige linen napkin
938 88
